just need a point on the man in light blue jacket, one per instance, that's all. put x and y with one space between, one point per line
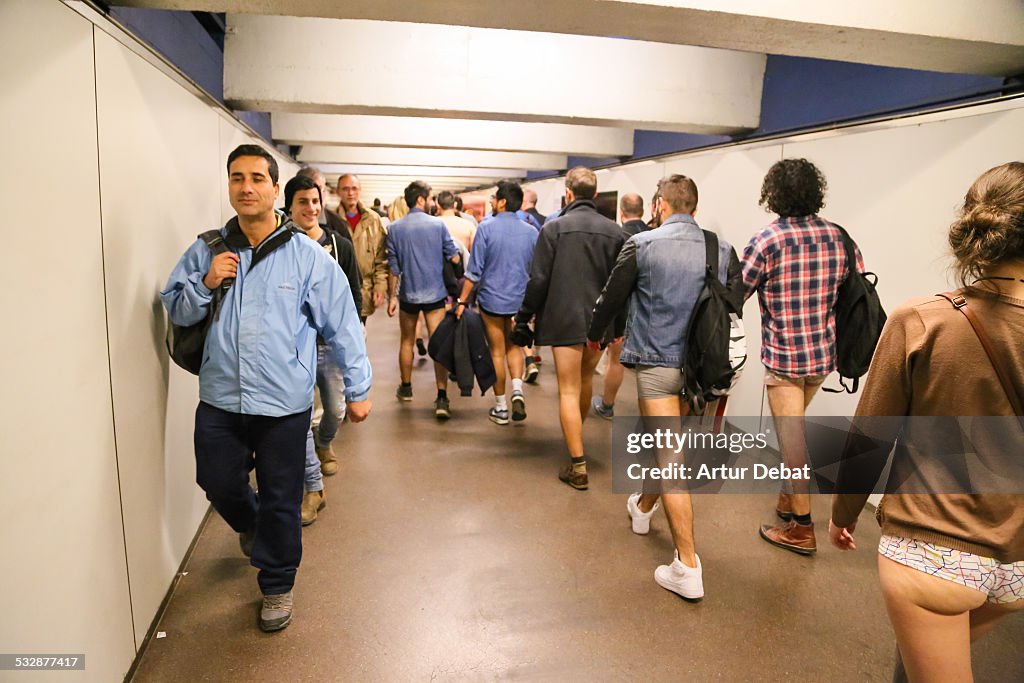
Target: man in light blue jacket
259 366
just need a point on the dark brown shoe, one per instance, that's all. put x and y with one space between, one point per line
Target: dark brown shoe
791 536
577 480
784 508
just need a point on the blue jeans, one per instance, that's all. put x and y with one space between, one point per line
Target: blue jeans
228 445
314 479
331 384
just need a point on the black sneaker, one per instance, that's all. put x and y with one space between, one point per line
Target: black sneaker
421 348
518 406
404 392
441 411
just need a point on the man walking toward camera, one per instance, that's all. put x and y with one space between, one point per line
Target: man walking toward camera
256 379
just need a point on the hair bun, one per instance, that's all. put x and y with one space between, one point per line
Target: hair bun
982 218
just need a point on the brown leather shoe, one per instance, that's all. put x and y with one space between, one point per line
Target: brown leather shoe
784 507
577 480
328 460
791 536
312 503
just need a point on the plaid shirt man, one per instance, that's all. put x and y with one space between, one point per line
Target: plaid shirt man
796 266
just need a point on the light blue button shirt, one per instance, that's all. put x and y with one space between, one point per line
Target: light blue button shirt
418 246
260 353
500 262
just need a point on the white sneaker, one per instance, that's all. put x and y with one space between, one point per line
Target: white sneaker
687 582
641 520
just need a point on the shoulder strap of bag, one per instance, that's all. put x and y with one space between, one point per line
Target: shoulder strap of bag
851 250
711 253
959 302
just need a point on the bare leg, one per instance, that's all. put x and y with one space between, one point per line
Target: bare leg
434 319
568 367
513 353
494 328
790 400
407 326
587 367
678 506
613 375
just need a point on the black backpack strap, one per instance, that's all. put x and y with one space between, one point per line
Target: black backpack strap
711 253
851 250
267 246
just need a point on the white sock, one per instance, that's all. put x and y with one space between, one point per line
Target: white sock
499 401
517 385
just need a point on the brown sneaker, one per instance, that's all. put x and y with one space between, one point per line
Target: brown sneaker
791 536
577 480
312 503
328 460
784 508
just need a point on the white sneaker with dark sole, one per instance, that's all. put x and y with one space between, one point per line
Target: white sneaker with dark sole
686 582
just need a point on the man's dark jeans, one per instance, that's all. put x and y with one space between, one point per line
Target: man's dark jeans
227 446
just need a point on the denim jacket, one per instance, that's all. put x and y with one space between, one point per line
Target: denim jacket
661 273
418 245
260 353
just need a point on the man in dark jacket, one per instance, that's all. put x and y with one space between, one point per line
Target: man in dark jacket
575 254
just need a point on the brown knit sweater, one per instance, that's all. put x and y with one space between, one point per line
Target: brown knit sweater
929 362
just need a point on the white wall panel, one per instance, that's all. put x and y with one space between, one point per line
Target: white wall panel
63 568
161 185
896 191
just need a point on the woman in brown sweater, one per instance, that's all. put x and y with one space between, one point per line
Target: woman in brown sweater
950 564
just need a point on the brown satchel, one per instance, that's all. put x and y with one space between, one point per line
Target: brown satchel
959 302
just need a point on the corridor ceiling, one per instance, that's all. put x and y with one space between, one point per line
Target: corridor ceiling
465 92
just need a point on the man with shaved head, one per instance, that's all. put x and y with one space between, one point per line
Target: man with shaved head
367 233
530 206
631 212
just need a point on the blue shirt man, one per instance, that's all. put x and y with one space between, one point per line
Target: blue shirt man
418 246
258 369
499 269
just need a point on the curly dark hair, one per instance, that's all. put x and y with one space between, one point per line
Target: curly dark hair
793 187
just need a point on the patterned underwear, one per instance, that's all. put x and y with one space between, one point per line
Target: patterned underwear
1003 583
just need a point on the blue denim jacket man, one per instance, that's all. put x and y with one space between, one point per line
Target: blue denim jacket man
670 268
418 246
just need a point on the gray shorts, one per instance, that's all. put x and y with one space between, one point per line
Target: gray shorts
653 381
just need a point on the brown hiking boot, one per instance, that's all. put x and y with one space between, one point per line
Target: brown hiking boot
328 460
312 503
577 480
791 536
784 507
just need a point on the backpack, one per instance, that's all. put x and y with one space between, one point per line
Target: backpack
186 343
859 321
715 339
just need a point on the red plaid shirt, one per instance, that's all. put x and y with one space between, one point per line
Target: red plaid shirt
796 266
